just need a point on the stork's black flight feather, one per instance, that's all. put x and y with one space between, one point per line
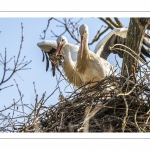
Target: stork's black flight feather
115 39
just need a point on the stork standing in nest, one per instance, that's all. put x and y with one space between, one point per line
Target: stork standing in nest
90 66
70 56
69 63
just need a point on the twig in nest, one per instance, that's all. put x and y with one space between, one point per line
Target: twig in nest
146 121
135 116
86 120
90 115
128 93
134 74
126 115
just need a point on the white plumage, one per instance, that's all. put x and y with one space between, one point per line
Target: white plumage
90 66
70 56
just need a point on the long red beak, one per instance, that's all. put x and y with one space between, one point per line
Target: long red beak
82 43
59 47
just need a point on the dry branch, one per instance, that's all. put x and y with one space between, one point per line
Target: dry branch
18 64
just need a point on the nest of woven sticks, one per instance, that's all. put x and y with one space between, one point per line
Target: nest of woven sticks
124 108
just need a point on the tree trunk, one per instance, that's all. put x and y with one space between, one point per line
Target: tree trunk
135 35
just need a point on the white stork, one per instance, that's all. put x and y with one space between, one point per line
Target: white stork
70 56
90 66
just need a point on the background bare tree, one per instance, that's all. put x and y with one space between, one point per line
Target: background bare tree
18 64
10 67
71 28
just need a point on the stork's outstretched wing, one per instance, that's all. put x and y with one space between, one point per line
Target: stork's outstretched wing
118 36
48 48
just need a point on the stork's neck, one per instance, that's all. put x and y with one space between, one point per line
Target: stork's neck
86 47
82 62
67 54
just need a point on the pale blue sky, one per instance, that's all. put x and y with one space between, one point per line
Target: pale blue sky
10 38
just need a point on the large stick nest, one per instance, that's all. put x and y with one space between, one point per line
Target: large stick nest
125 108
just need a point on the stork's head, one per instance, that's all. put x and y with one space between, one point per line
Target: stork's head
61 42
84 34
83 29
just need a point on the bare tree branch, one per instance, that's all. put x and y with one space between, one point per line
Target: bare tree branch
18 66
